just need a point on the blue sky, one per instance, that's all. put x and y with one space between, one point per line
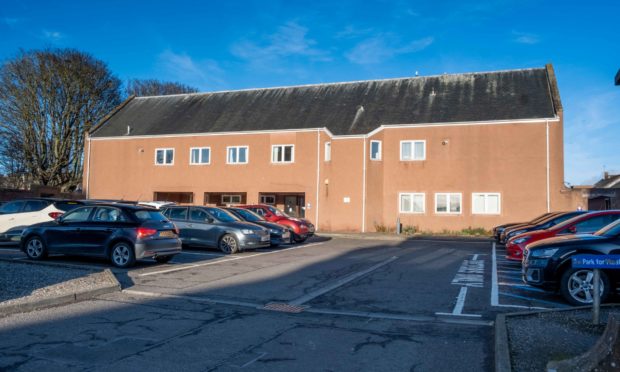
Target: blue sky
246 44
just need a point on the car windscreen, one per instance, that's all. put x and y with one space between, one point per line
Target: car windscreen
611 230
541 218
566 220
558 220
222 215
149 215
248 215
278 212
68 205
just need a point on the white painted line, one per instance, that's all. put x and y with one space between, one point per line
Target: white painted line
204 254
494 289
192 298
339 283
460 301
466 315
404 317
522 286
475 257
215 262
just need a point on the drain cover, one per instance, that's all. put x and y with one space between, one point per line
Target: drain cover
285 308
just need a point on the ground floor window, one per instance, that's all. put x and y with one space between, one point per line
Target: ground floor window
412 202
446 203
485 203
176 197
268 199
222 199
231 199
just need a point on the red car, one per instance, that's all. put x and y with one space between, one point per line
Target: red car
587 223
301 228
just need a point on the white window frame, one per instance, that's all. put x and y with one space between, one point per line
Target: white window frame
379 155
263 199
486 195
412 142
164 149
200 162
328 151
448 199
411 194
230 197
247 154
282 147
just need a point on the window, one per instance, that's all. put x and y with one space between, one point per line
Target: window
200 155
375 150
78 215
412 203
328 151
268 199
35 205
447 203
594 224
231 199
12 207
199 215
282 154
485 203
164 156
176 213
176 197
109 214
412 150
237 155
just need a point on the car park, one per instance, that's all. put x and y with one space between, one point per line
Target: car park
547 264
587 223
119 232
551 220
279 234
213 227
16 215
301 228
498 230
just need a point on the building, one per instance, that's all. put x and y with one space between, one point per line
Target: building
605 194
438 152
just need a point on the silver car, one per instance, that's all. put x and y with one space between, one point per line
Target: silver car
216 228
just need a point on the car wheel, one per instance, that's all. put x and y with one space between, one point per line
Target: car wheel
299 239
123 255
163 259
35 248
577 286
228 244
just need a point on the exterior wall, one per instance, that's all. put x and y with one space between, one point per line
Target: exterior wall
507 158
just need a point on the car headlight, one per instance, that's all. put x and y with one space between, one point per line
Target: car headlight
521 240
247 232
543 253
274 231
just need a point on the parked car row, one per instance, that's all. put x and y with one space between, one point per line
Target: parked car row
124 231
546 245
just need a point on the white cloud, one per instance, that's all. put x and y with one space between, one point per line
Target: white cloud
9 21
53 36
525 38
180 67
380 48
289 40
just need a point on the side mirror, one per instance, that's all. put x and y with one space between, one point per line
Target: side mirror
209 220
60 220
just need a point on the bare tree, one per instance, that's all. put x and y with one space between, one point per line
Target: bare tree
152 87
48 100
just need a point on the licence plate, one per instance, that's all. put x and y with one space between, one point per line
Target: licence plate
167 234
264 238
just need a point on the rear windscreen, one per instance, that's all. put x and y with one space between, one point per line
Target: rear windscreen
67 206
145 215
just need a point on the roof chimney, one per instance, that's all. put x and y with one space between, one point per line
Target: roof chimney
606 175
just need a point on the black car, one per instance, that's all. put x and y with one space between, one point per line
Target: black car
119 232
498 230
213 227
279 234
547 264
543 224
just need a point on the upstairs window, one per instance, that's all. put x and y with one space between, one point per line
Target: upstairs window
237 155
199 155
282 154
485 203
375 150
448 203
164 156
328 151
412 150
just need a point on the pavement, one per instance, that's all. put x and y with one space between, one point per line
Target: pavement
332 303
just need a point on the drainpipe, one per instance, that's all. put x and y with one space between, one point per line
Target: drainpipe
318 170
364 188
88 168
548 170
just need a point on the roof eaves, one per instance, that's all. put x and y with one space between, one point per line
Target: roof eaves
95 127
553 89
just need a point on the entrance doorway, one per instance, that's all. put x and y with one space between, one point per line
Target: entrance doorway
293 204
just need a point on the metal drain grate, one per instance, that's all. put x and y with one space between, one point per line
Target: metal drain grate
285 308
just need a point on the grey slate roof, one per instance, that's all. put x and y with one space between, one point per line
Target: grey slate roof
344 108
611 181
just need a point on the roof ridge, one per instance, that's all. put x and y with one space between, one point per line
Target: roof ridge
339 83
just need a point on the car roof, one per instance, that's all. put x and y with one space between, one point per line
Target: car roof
124 206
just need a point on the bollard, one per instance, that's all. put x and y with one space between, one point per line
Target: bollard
398 227
597 297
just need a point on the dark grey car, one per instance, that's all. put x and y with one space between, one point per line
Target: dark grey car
216 228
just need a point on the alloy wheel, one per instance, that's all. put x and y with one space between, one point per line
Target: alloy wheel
121 255
34 248
581 286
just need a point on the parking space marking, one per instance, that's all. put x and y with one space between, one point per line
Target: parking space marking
494 284
204 254
215 262
339 283
522 286
192 298
470 274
